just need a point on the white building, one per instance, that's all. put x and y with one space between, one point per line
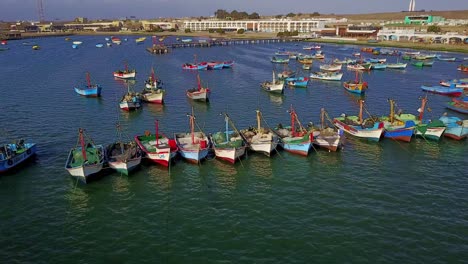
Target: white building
274 25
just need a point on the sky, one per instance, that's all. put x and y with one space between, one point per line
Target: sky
12 10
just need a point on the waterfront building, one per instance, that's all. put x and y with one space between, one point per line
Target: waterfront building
273 25
423 19
410 34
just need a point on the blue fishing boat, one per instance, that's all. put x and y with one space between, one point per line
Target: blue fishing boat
193 146
455 83
295 138
89 90
437 89
215 65
99 45
456 128
12 155
458 105
379 66
279 59
397 129
297 82
228 64
75 46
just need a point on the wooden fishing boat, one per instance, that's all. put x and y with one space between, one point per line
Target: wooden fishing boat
295 138
89 90
158 148
326 137
125 74
188 40
228 64
412 53
275 86
313 47
318 56
130 101
193 146
327 76
99 45
406 57
229 144
426 129
455 83
260 139
77 42
428 63
3 42
458 105
463 68
277 59
456 128
331 67
36 47
451 59
74 46
397 129
297 82
85 159
397 65
305 60
379 66
345 61
116 40
306 66
191 66
286 74
140 40
356 86
123 155
356 54
199 93
418 63
153 92
437 89
14 154
4 48
355 67
369 129
215 65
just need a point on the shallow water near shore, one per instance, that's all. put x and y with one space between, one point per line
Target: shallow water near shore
371 202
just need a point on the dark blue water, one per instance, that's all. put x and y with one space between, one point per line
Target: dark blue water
371 202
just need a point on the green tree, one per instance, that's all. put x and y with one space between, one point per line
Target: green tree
434 28
240 31
291 15
280 34
278 16
221 14
254 15
220 31
187 30
172 30
211 30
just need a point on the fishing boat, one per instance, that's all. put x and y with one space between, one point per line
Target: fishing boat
140 40
14 154
326 137
345 61
193 146
89 90
397 129
458 105
116 40
191 66
437 89
356 54
125 74
199 93
295 138
86 158
457 83
356 86
153 92
314 47
369 129
228 64
28 43
456 128
75 46
130 101
260 139
275 86
331 67
286 73
3 42
4 48
306 67
36 47
188 40
307 61
228 145
327 76
297 82
123 155
378 66
451 59
427 129
158 148
355 67
463 68
108 44
215 65
428 63
99 45
412 53
276 59
77 42
398 65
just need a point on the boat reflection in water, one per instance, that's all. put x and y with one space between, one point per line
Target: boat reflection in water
276 98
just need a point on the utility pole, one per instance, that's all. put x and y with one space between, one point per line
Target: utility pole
40 11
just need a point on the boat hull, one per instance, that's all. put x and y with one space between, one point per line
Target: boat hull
89 92
403 134
302 148
161 153
199 95
230 155
331 143
125 166
129 106
264 147
8 164
372 134
154 98
130 75
433 133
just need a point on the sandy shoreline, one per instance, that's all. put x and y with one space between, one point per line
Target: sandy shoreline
462 48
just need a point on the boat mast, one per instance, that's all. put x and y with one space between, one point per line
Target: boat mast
226 119
153 79
423 106
157 132
258 120
192 127
356 78
293 117
88 79
322 117
361 103
198 82
392 110
83 151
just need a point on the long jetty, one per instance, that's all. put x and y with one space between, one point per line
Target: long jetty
227 42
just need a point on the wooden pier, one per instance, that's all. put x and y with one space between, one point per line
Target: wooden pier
228 42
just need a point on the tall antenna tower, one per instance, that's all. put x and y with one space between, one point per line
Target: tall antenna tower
40 11
412 5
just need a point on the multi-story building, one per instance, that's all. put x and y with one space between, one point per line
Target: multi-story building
274 25
423 19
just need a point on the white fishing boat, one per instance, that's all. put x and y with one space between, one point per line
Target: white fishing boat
397 65
331 67
193 146
261 139
123 155
275 86
130 101
327 76
229 144
199 93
